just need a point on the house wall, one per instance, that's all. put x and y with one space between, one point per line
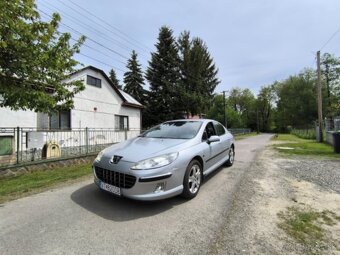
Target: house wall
93 107
96 107
9 118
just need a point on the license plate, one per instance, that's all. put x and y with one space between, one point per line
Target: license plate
110 188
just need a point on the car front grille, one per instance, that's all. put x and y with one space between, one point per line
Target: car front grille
117 179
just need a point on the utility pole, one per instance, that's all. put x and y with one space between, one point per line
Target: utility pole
257 121
319 92
224 113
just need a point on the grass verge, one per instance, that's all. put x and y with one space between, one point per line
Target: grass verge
307 226
240 137
31 183
297 146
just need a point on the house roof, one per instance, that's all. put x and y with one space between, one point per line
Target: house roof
128 100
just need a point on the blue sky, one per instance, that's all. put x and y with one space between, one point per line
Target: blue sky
253 42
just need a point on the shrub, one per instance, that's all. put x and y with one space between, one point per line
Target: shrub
304 133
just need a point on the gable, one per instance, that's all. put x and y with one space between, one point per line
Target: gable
99 80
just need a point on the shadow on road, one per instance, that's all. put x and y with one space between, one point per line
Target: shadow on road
114 208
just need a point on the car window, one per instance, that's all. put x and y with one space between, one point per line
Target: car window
209 131
174 130
219 129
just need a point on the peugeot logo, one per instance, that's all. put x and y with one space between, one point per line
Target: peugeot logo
115 159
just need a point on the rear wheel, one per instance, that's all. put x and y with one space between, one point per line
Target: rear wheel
192 179
231 158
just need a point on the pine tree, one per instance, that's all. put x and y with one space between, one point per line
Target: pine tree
198 74
163 75
133 79
113 78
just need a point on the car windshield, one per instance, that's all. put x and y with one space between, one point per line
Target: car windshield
174 130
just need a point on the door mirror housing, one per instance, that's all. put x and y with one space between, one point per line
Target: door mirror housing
213 139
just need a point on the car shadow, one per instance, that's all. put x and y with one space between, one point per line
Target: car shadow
110 207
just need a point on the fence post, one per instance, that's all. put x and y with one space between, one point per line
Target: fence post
125 132
87 139
18 144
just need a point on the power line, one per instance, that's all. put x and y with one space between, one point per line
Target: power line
87 37
125 37
99 61
91 28
330 39
95 59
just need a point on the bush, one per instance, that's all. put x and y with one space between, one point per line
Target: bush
304 133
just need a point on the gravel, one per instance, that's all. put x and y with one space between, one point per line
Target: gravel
324 172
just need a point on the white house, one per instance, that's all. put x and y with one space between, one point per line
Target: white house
102 115
100 105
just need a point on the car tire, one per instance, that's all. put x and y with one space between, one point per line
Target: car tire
192 179
231 158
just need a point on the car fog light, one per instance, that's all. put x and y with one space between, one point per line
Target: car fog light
160 187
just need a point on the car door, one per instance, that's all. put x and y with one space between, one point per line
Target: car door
225 141
211 150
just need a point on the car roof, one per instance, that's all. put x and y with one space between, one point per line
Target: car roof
193 120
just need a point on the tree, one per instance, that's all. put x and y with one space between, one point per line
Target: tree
242 102
113 78
163 75
296 103
198 74
265 105
133 79
330 69
35 60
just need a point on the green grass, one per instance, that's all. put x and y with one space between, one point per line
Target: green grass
304 146
15 187
242 136
306 225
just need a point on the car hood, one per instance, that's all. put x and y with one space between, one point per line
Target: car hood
140 148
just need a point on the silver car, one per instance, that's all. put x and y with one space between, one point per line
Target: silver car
167 160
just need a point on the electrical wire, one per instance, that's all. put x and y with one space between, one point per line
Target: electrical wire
125 37
330 39
91 28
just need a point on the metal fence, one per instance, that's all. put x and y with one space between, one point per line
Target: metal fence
239 131
19 145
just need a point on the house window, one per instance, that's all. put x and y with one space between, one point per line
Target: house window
61 120
94 81
121 122
6 145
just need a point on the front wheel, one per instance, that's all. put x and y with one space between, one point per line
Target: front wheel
192 179
231 158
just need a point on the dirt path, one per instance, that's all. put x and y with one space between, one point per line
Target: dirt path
281 186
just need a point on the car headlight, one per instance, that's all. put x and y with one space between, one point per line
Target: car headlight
155 162
99 156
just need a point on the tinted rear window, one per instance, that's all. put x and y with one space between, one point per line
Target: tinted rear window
174 130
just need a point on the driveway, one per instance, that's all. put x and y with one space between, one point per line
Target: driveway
80 219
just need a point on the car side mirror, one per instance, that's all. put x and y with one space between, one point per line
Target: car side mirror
213 138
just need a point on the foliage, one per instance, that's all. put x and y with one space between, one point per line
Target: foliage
34 60
163 75
296 104
304 147
330 70
113 78
198 74
307 226
240 109
265 105
133 79
216 110
14 187
304 133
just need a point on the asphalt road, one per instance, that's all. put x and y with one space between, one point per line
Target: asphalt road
80 219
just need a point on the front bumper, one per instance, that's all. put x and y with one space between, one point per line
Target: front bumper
170 178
